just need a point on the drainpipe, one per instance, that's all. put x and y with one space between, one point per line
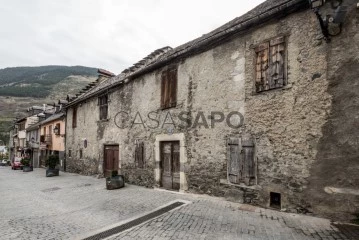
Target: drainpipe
65 153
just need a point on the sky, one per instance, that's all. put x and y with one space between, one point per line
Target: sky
109 34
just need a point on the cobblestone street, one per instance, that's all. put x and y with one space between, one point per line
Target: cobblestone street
72 207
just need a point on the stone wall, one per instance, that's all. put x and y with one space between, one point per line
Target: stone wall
333 188
290 125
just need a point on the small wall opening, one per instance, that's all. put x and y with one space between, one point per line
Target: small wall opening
275 200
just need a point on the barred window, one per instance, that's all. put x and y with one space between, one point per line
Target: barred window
270 65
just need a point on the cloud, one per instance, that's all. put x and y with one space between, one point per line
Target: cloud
110 34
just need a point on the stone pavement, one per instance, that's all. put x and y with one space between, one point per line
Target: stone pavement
72 206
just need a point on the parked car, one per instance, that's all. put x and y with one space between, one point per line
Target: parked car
3 162
16 164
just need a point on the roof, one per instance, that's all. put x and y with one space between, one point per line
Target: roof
33 127
21 120
268 10
105 72
52 118
154 56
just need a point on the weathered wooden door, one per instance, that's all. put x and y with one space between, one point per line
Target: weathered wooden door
170 161
111 162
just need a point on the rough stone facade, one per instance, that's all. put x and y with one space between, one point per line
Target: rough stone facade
305 133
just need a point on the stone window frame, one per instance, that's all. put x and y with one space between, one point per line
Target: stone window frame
256 49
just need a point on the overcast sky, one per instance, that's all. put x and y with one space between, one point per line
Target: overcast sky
110 34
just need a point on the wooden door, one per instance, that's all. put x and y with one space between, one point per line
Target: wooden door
170 161
111 160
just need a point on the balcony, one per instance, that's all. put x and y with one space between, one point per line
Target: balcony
48 139
32 144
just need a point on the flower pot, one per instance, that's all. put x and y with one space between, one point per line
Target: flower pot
115 182
52 172
27 169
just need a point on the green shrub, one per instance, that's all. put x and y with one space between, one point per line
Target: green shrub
52 161
25 162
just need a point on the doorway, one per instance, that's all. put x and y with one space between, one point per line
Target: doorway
111 159
170 164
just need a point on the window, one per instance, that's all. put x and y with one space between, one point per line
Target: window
270 65
241 164
74 117
169 88
275 200
139 155
80 153
50 130
22 126
69 153
103 103
57 129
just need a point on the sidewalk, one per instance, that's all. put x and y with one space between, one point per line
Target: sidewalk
72 206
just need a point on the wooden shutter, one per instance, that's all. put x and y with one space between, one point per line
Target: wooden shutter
74 117
234 161
169 88
139 155
248 160
173 87
58 126
163 89
277 60
103 102
262 64
241 164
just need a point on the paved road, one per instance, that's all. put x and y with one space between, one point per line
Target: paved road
72 206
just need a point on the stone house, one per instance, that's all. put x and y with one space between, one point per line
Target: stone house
262 110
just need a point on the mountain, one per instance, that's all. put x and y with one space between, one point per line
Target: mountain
23 87
37 81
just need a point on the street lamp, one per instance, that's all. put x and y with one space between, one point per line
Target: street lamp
316 3
331 24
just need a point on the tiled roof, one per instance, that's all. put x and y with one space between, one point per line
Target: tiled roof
154 56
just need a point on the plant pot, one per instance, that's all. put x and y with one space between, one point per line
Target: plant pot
27 169
115 182
52 172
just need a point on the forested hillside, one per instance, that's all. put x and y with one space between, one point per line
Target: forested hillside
37 82
23 87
